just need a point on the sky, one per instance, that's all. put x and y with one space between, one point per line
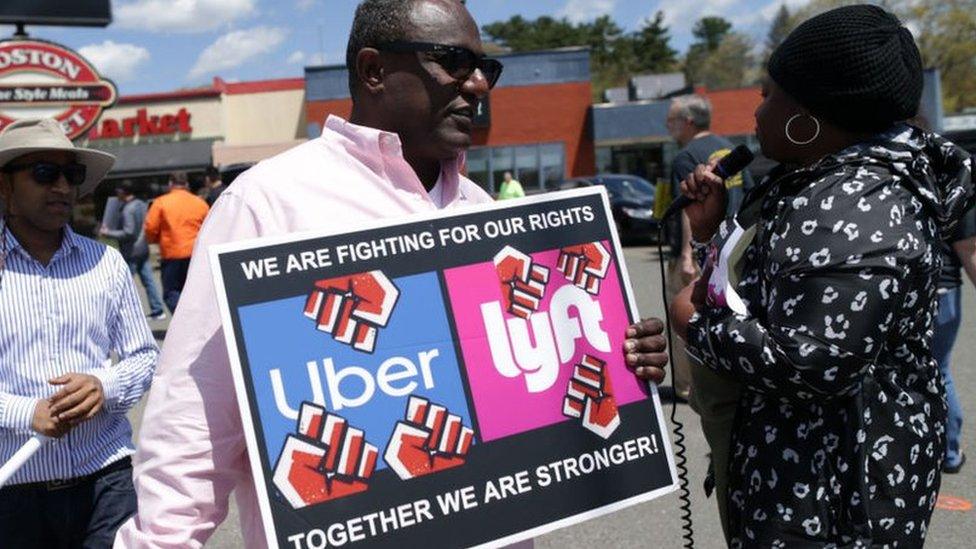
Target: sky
164 45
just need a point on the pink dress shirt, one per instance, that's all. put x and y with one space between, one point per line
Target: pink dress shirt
191 451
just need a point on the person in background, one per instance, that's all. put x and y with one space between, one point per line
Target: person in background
689 123
839 436
67 303
173 221
213 183
399 154
510 188
131 237
958 252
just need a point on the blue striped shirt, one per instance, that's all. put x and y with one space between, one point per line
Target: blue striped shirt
69 316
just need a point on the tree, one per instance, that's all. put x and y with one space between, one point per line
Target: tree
729 65
652 46
946 38
945 31
710 31
614 55
779 29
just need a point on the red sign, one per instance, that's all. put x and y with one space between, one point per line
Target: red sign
41 79
143 124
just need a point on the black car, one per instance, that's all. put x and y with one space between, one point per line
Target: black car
631 201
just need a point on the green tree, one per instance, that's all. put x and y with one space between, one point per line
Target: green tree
946 38
614 54
710 31
730 65
779 29
945 31
652 46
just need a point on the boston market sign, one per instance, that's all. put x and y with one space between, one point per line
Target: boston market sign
42 79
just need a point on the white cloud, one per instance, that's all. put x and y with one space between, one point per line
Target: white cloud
299 57
305 5
579 11
235 48
180 15
117 61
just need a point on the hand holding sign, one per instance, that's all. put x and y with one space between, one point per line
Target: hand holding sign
523 283
585 265
430 440
353 308
328 460
589 397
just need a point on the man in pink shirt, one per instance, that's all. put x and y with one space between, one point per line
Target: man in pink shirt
417 70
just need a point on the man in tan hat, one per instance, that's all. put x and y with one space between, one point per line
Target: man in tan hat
67 304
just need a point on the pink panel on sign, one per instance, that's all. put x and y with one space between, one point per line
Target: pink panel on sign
516 391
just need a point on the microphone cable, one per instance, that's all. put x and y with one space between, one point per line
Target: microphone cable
680 458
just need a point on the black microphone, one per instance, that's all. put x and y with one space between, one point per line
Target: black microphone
728 166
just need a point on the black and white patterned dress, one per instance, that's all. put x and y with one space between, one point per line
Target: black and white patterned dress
840 428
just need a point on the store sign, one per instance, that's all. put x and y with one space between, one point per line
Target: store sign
143 124
41 79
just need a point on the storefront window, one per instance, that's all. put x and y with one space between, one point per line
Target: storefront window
502 160
527 166
552 163
477 160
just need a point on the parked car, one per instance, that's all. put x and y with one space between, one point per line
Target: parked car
631 201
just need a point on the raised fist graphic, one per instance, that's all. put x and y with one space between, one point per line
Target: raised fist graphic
430 440
353 308
585 265
327 460
589 397
523 283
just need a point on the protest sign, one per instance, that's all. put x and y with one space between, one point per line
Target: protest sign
450 380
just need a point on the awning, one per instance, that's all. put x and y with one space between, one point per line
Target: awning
156 158
228 155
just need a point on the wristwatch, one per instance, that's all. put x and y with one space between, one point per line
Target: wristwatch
700 252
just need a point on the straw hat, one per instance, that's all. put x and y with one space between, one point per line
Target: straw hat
45 134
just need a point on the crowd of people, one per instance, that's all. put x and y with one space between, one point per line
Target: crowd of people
831 343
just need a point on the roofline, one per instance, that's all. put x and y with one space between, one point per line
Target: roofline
179 95
216 88
568 49
260 86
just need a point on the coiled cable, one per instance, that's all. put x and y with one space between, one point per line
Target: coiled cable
680 459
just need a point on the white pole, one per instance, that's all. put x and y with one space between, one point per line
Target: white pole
20 457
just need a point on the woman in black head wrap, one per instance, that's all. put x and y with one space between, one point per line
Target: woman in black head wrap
839 432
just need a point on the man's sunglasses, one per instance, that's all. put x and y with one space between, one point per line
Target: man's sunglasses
459 62
48 173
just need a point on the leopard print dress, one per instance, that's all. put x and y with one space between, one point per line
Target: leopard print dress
840 428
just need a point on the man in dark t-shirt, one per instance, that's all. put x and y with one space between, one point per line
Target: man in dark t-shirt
689 120
958 252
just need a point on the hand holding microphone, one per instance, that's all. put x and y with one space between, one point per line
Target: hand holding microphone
703 192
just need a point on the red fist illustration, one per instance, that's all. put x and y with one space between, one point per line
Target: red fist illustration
523 283
585 265
326 461
430 440
353 308
589 397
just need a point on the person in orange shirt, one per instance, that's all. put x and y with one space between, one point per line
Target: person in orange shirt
173 222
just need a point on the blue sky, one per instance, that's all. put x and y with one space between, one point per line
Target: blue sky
163 45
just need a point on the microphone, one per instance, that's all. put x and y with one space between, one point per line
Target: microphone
728 166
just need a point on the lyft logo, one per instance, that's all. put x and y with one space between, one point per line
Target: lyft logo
536 347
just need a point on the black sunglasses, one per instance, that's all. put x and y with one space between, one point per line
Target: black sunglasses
48 173
458 61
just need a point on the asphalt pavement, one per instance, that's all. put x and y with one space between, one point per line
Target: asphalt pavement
657 523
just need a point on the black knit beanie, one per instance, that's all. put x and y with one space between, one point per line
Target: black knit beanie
855 66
